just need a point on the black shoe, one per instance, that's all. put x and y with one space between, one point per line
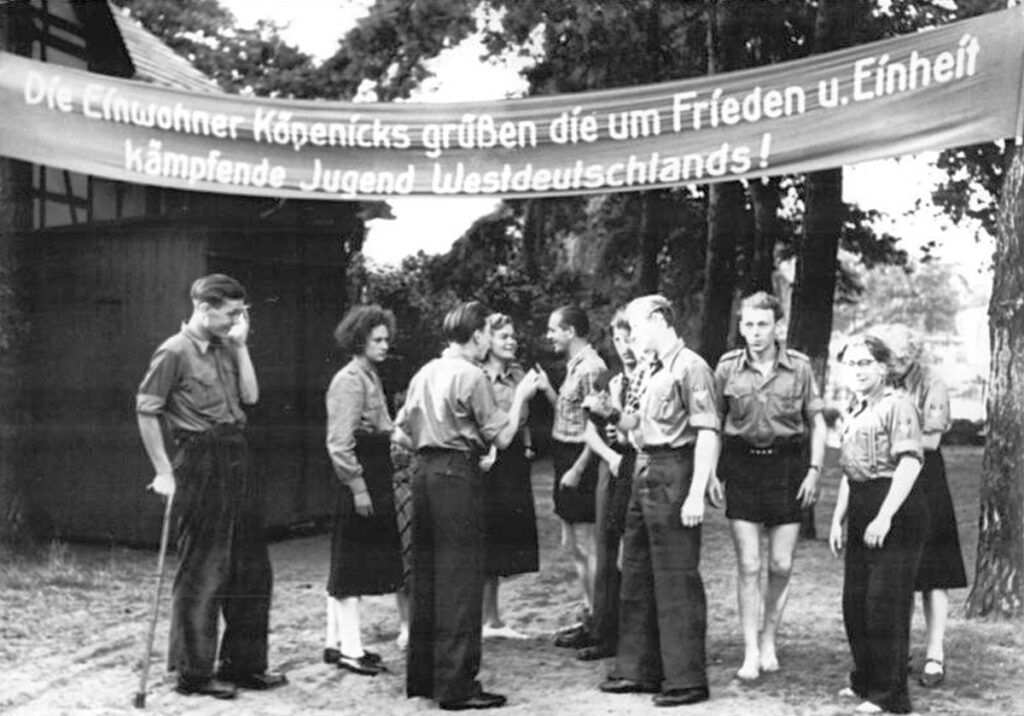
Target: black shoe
363 665
254 682
595 652
483 700
682 697
331 656
206 687
615 685
576 638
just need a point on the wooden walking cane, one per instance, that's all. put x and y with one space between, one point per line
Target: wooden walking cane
140 695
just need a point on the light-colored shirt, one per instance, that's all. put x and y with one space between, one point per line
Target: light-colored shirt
450 404
355 405
678 399
192 381
581 373
762 409
931 396
877 432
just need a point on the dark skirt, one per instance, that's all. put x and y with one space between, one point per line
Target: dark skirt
942 565
511 522
365 551
577 504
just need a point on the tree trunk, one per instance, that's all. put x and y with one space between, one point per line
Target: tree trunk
15 216
726 201
760 263
998 589
810 323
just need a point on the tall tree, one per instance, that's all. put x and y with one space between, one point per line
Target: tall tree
999 583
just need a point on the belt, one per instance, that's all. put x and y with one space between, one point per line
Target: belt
780 447
664 449
430 450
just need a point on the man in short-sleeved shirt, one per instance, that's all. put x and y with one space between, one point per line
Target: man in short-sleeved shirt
663 608
196 383
451 417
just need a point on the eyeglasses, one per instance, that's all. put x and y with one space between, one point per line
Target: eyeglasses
863 363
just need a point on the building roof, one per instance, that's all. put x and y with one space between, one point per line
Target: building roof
155 62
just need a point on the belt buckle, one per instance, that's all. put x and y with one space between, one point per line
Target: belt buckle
762 451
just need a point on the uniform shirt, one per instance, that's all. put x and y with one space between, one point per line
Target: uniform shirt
193 381
581 374
355 404
504 384
877 432
762 409
451 405
930 395
678 399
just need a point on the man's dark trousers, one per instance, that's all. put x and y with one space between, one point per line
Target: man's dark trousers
224 568
663 609
613 493
447 577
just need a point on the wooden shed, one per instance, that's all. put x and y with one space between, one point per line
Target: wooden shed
104 270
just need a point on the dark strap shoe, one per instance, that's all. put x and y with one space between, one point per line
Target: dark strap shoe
363 665
206 687
595 652
331 656
576 638
483 700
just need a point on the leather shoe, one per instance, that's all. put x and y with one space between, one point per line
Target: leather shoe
615 685
363 665
682 697
483 700
255 682
575 638
595 652
206 687
331 656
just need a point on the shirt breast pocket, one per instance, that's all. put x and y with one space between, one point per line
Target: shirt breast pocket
740 401
203 390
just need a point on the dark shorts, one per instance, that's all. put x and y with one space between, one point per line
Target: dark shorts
763 488
576 504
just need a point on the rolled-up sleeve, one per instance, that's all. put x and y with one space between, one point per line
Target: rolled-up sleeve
345 399
156 386
701 399
904 425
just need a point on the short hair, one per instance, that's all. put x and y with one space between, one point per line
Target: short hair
575 317
762 301
215 289
463 321
902 341
355 328
619 320
497 321
874 345
651 304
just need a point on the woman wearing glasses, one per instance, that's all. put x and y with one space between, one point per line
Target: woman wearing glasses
885 525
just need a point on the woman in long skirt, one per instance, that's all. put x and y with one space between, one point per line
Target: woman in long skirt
511 523
365 551
942 565
885 523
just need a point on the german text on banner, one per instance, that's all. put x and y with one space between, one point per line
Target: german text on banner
953 85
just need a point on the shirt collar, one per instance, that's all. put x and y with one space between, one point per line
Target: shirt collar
585 352
674 351
781 358
507 375
454 352
871 400
202 343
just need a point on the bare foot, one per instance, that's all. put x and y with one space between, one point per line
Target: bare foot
769 662
749 671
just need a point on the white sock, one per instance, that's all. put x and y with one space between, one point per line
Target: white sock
348 627
332 639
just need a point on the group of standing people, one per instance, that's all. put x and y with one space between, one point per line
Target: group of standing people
637 452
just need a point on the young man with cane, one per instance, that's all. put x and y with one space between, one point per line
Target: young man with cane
197 382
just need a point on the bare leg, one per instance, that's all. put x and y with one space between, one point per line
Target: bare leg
936 610
782 541
573 542
746 538
402 602
491 617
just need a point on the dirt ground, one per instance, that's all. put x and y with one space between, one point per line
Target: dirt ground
72 623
